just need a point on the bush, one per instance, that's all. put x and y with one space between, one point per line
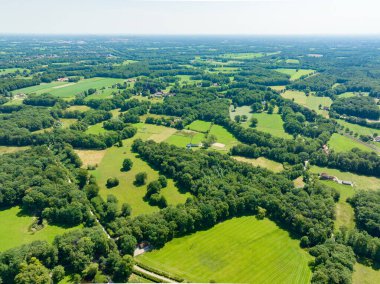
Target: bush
127 164
112 182
163 181
140 178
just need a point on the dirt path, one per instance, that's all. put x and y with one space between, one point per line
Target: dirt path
144 271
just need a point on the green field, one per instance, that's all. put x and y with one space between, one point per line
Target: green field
261 162
183 137
199 126
341 143
311 102
110 164
295 74
361 130
360 181
242 56
69 90
292 61
365 275
243 110
223 137
10 70
12 149
271 123
351 94
241 250
14 229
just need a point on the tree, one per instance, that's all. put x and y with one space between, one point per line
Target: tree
58 273
123 269
126 209
163 181
34 272
91 190
237 118
140 178
244 118
90 271
112 182
127 244
254 122
127 164
153 187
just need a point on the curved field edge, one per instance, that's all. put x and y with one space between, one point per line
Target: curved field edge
239 250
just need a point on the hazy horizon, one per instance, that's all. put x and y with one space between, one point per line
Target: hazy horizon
191 17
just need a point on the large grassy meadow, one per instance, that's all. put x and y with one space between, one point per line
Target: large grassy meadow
261 162
14 229
241 250
311 101
341 143
271 123
69 90
295 74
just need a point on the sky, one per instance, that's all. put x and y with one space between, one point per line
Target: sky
249 17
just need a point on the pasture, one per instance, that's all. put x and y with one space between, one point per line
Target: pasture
365 274
240 250
11 70
261 162
361 130
69 90
199 126
360 181
223 137
295 74
243 55
292 61
243 110
127 192
12 149
183 137
352 94
311 101
271 123
14 229
341 143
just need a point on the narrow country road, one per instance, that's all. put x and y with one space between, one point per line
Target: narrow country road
144 271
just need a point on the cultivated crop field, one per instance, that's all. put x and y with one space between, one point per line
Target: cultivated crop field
243 250
14 229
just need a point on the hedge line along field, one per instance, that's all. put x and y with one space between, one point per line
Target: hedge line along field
311 102
295 74
271 123
68 90
341 143
244 250
110 163
14 229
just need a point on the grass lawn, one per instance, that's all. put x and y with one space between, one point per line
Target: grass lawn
311 102
12 149
243 110
183 137
365 275
295 74
96 129
292 61
361 130
110 165
360 181
14 229
262 162
69 90
341 143
242 56
199 126
344 211
243 250
223 137
271 123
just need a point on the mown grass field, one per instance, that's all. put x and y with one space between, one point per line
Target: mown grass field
243 110
223 137
311 102
361 130
295 74
292 61
183 137
271 123
110 166
242 56
360 181
341 143
12 149
351 94
199 126
261 162
69 90
10 70
365 275
14 229
344 211
241 250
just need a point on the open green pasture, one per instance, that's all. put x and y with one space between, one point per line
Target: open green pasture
341 143
243 55
14 229
311 101
11 70
240 250
271 123
68 90
356 128
110 166
365 274
295 74
360 181
292 61
199 126
261 162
